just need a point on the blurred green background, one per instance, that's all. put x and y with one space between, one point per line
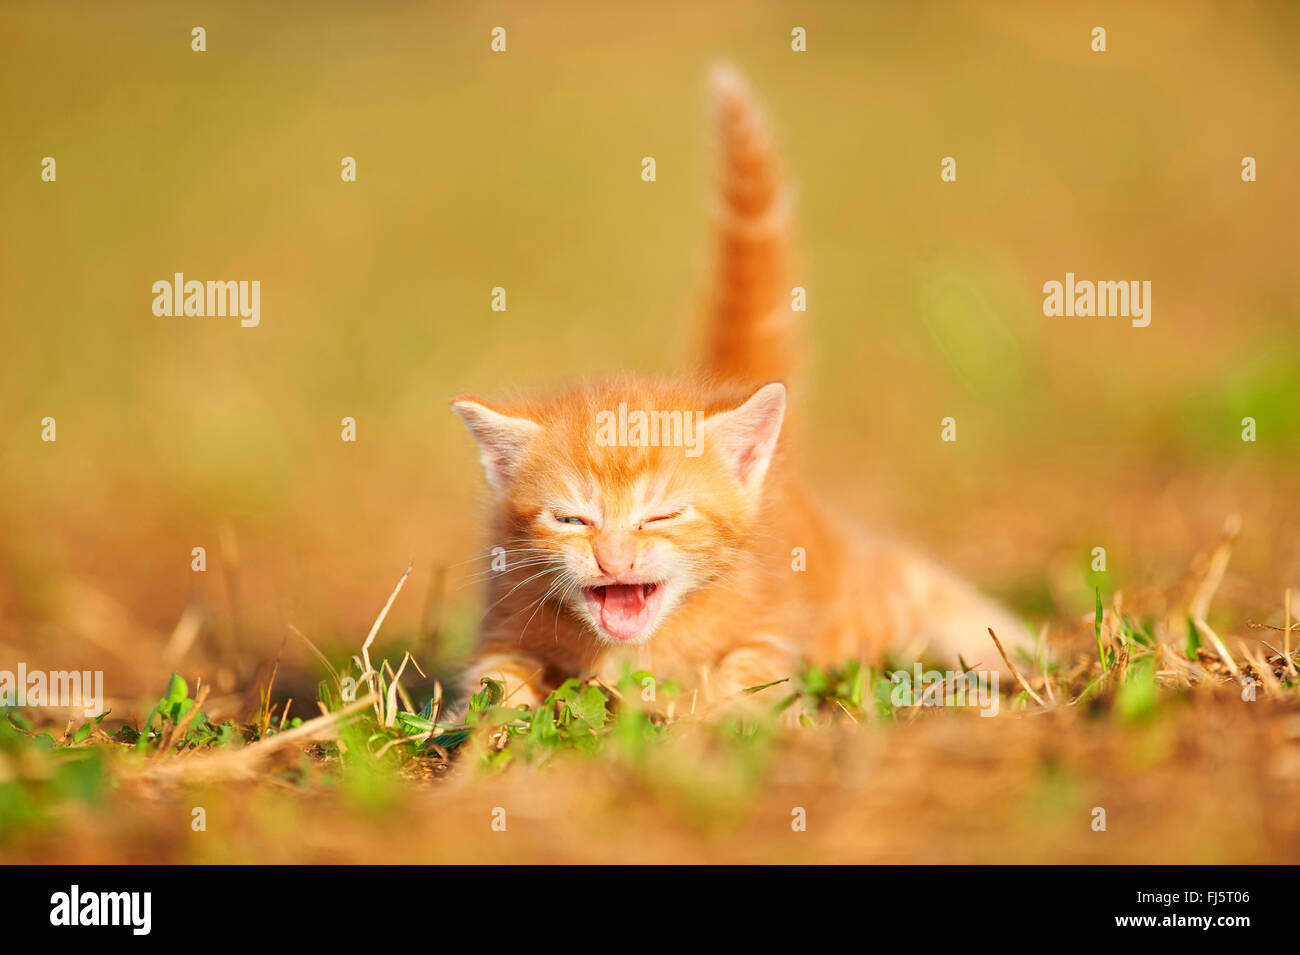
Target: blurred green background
522 170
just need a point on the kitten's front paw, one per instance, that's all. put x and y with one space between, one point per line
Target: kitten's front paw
519 676
792 717
757 678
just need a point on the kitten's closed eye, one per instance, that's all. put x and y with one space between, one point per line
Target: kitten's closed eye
664 517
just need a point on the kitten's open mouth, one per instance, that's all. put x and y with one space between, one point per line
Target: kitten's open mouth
625 611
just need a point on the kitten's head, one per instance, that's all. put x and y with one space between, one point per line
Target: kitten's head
625 498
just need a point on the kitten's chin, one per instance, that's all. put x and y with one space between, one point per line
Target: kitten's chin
625 613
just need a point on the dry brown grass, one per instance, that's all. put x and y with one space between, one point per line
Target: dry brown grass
1196 773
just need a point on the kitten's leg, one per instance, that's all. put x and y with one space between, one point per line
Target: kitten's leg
765 660
912 607
522 676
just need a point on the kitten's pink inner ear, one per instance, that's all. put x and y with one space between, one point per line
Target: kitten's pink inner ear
502 439
746 436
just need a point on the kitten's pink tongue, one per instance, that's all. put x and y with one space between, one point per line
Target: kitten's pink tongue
623 612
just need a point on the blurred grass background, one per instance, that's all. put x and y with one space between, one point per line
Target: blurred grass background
522 170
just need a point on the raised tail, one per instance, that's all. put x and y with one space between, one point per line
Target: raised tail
752 328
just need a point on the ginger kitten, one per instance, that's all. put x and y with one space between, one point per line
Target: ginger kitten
657 520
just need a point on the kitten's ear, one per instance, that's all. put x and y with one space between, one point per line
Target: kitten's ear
502 440
746 436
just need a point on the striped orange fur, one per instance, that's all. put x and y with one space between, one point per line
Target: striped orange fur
703 559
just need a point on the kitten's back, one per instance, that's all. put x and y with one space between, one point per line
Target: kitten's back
876 596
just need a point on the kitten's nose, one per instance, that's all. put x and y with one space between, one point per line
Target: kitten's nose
615 554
